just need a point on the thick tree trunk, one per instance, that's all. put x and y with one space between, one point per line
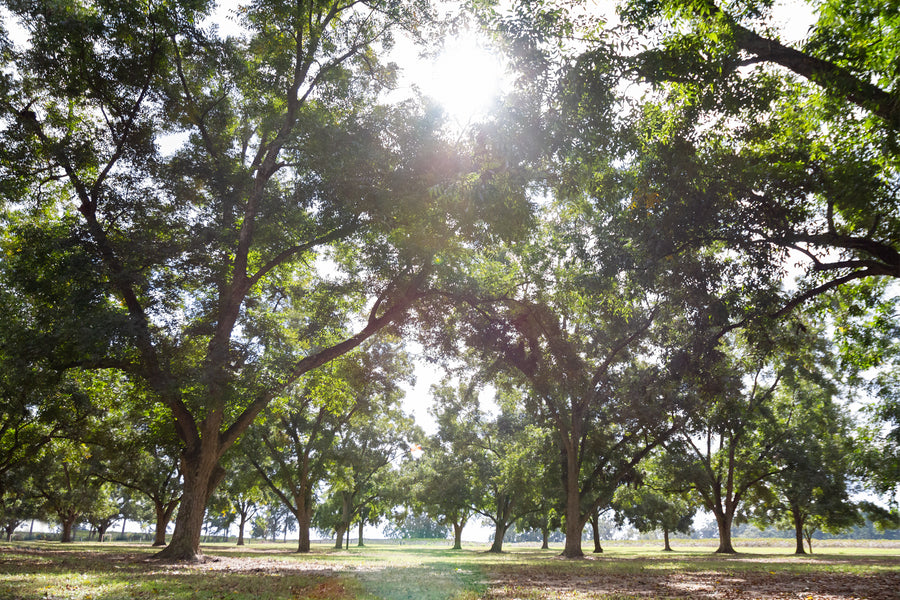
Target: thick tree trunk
67 523
723 521
202 474
595 529
10 528
339 537
574 523
499 532
667 547
457 535
163 516
304 522
545 538
362 523
101 532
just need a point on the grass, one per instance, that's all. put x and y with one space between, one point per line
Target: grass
120 571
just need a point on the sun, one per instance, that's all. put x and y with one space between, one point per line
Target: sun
465 78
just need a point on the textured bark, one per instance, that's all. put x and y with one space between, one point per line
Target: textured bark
499 533
574 524
202 474
723 521
545 538
163 516
304 522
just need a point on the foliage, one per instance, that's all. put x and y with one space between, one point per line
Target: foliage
183 186
416 526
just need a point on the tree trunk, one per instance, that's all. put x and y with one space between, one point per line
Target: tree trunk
545 538
362 523
339 537
457 535
163 516
202 474
10 527
798 531
595 529
240 540
723 522
667 548
808 533
67 523
499 533
304 522
574 524
101 532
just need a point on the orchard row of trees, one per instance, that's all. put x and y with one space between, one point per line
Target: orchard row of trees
671 249
771 443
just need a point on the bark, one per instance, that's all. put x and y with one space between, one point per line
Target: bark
240 540
9 531
545 538
798 532
163 516
101 532
723 521
595 529
304 522
339 537
574 522
499 532
457 535
667 547
202 473
825 74
362 523
67 523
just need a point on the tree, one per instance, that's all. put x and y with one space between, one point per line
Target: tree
812 490
651 510
415 526
363 470
826 57
138 449
442 479
753 423
508 458
103 512
573 329
242 493
795 162
295 447
68 484
19 501
192 267
730 448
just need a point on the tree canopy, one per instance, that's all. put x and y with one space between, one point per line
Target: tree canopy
218 246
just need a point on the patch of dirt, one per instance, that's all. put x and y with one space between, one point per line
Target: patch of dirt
760 585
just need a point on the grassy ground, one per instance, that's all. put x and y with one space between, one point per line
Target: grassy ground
118 571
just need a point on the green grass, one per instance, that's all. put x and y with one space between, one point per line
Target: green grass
120 571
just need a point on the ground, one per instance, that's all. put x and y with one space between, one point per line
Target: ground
47 570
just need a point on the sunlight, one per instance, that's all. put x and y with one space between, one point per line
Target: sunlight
465 78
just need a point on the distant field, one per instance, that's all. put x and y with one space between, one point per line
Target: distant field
429 571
